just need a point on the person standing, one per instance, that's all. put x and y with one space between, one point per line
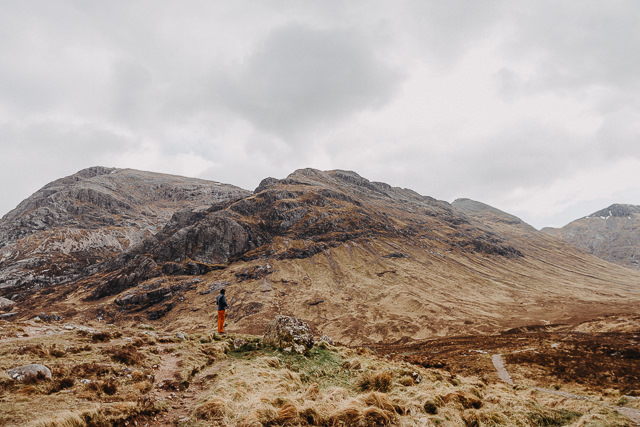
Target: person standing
222 306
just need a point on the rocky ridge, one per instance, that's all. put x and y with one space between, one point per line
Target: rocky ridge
362 261
72 224
295 218
612 234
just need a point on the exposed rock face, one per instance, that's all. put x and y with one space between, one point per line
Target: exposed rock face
70 225
362 261
289 334
612 234
32 372
311 210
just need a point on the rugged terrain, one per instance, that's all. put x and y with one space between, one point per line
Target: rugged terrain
104 375
612 233
108 277
363 261
59 233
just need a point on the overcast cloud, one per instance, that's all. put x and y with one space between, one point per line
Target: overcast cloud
529 106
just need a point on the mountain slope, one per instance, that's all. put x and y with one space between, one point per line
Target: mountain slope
91 216
362 261
612 234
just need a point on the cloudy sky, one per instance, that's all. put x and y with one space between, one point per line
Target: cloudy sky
530 106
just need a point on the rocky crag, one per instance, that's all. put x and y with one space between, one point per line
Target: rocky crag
612 233
361 261
71 225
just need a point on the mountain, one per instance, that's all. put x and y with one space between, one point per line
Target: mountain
59 233
612 234
361 261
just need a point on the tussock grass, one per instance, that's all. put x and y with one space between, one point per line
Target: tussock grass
375 381
110 382
212 409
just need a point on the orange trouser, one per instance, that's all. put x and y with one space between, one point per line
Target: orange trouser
220 321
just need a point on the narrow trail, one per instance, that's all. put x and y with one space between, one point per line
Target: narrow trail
167 388
498 363
503 374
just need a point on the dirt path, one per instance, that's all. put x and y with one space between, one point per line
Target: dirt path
498 363
503 374
167 388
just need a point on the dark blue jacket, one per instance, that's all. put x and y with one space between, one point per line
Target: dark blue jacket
222 302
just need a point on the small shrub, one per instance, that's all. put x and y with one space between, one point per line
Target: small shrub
127 355
101 337
61 384
109 387
378 382
430 407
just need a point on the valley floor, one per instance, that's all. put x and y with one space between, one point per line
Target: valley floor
108 375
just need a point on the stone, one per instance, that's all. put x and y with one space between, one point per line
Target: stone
32 372
6 303
417 378
327 339
289 334
238 343
50 317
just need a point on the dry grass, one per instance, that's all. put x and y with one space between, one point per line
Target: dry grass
253 386
380 381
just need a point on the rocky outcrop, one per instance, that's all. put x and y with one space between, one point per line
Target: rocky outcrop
361 260
612 234
312 210
289 334
70 226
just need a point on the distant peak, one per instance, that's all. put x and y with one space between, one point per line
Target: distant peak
616 211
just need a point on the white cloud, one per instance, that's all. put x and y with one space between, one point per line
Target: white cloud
300 77
516 104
